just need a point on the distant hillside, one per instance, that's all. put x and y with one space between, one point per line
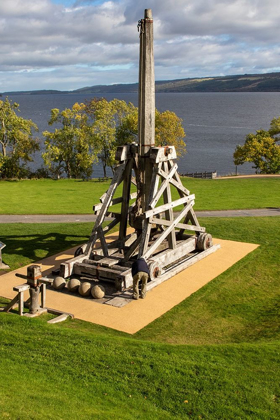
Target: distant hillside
269 82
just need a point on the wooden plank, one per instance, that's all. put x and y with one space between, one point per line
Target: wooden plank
123 153
113 202
108 262
161 209
21 287
111 225
145 239
43 295
118 176
146 232
167 176
66 268
183 266
183 226
102 272
154 183
125 201
132 248
103 242
96 266
166 232
172 256
59 318
168 199
163 154
179 185
12 304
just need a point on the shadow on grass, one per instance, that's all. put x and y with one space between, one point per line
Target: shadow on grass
24 249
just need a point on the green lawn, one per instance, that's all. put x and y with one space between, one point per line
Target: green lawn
214 356
53 372
77 197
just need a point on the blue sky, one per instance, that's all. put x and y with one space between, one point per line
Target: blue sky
65 45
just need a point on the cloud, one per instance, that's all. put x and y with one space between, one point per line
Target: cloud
98 40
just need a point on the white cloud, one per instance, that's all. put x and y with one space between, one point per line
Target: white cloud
96 42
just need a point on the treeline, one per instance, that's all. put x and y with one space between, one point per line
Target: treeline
83 135
89 133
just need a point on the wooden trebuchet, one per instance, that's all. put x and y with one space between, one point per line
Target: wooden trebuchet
163 226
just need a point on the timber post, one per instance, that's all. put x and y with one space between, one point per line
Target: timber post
146 104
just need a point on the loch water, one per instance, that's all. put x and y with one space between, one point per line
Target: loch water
214 122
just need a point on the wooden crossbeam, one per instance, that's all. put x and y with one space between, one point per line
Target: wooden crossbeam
111 225
164 222
175 180
114 201
173 204
166 232
165 183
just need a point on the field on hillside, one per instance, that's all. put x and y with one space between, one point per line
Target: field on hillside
214 356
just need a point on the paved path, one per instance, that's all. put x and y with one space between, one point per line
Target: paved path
74 218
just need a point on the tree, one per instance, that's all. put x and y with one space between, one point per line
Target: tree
261 149
16 140
106 117
169 131
70 148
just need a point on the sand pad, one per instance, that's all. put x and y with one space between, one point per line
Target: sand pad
137 314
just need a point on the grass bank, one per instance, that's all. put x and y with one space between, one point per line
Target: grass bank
53 372
77 197
214 356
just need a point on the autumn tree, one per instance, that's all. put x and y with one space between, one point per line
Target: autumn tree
70 148
169 130
261 149
16 140
104 119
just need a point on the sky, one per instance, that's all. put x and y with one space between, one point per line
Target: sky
69 44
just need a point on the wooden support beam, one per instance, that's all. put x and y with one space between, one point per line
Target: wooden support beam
132 248
163 154
167 176
168 199
111 225
166 232
179 267
125 200
146 232
103 241
114 201
164 222
118 176
169 257
161 209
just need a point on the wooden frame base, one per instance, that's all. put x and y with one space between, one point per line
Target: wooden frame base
160 224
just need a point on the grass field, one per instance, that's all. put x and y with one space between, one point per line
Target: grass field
214 356
77 197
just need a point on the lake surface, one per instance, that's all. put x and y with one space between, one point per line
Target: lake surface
214 122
